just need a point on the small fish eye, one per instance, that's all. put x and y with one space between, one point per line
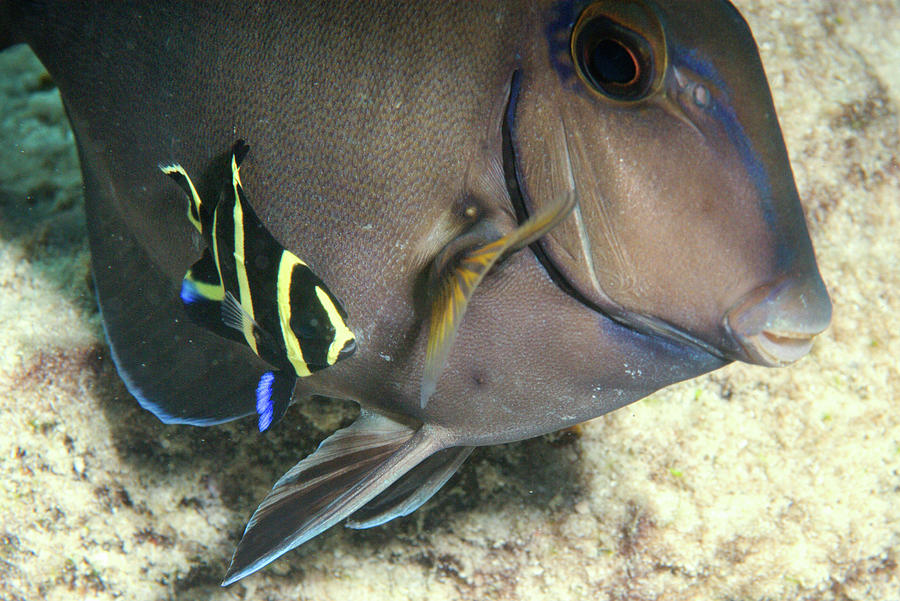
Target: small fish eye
313 329
612 59
307 330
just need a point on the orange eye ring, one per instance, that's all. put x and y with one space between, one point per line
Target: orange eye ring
616 48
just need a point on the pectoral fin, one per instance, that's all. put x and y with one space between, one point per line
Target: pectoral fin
412 490
460 278
350 468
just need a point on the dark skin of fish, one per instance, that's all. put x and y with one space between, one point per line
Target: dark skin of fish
385 138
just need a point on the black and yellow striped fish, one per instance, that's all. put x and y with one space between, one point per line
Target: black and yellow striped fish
248 288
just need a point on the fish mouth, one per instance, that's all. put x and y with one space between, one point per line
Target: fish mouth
646 324
775 324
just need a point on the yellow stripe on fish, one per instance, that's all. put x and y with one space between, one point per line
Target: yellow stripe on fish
250 289
291 342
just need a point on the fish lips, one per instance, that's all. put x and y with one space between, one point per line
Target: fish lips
775 324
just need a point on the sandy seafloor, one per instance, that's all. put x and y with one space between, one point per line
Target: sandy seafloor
749 484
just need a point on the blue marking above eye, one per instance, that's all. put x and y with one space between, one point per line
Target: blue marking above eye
264 407
557 33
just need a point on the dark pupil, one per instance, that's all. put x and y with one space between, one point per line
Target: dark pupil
610 62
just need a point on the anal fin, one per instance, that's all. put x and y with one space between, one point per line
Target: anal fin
273 395
412 490
349 469
175 369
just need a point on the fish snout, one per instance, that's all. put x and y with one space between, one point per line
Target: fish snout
775 324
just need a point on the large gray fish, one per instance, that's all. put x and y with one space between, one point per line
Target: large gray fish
533 213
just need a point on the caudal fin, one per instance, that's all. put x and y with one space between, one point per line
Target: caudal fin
349 469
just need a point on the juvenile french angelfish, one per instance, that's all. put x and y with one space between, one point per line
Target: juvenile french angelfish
249 288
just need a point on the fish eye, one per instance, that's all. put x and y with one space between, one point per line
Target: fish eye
307 330
612 57
312 329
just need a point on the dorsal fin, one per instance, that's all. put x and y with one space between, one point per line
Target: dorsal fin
195 203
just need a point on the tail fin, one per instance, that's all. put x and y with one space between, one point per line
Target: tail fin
349 469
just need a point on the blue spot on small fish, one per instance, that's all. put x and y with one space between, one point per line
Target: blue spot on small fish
264 400
189 293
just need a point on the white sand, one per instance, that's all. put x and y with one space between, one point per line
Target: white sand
749 484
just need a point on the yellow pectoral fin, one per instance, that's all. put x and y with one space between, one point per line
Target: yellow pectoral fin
456 286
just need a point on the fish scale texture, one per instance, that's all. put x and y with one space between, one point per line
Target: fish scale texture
748 484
